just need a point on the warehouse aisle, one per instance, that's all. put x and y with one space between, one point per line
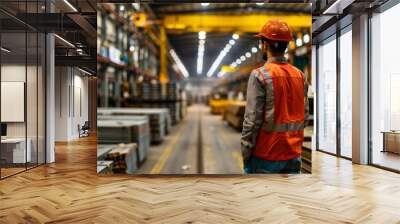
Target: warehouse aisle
221 145
201 143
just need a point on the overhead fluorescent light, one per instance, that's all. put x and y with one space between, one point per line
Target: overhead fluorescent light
205 4
64 40
200 51
136 6
299 42
306 38
84 71
221 56
5 50
179 63
243 58
338 6
220 74
70 5
202 35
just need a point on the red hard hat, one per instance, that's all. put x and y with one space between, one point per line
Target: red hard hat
276 30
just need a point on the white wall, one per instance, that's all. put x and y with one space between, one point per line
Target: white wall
10 73
61 103
16 73
71 93
33 127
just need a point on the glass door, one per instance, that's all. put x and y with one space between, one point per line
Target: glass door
385 89
345 43
15 149
326 78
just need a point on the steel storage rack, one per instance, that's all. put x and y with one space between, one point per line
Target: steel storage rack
127 55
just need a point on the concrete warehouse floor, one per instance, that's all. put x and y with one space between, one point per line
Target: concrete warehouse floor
201 143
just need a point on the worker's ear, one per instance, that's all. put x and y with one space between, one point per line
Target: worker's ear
265 45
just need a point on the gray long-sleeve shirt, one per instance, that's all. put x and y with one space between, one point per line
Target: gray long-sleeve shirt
253 119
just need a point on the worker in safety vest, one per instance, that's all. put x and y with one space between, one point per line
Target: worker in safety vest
276 108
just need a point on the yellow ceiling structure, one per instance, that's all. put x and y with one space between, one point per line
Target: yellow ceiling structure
247 23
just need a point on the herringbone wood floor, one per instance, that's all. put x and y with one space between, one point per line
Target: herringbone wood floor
70 191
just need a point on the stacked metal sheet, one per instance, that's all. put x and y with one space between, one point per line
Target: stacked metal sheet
156 95
174 110
102 151
124 158
125 131
173 89
141 133
158 119
234 114
151 91
173 107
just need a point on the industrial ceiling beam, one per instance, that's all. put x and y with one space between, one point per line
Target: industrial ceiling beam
84 24
231 23
79 61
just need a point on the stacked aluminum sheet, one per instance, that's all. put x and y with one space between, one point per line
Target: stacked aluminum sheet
159 119
124 157
172 106
156 95
141 135
150 91
125 131
173 89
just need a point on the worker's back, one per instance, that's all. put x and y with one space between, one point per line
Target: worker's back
281 135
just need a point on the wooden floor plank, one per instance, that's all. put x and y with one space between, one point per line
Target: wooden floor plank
70 191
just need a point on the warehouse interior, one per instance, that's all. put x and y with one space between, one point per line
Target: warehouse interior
354 139
193 76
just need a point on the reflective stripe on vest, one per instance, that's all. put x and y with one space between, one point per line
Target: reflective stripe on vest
269 96
295 126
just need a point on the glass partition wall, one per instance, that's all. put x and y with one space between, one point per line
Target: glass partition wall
326 101
22 77
385 89
334 94
345 108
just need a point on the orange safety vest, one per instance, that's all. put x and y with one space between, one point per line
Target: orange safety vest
282 133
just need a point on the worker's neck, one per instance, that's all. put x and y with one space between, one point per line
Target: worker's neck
273 56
